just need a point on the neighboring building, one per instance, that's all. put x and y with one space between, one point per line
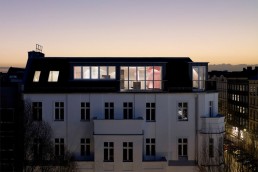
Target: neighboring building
128 114
11 120
238 100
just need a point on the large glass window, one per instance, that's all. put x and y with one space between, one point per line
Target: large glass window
199 77
140 77
94 72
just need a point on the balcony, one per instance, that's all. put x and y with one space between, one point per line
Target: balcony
118 126
213 125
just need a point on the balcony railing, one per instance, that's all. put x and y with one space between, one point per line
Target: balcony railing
118 126
213 125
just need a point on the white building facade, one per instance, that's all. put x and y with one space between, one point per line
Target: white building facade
128 115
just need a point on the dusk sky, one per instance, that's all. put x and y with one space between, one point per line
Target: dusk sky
215 31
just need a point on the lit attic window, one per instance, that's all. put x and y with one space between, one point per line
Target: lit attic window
36 76
53 76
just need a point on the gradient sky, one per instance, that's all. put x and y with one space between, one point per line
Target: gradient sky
215 31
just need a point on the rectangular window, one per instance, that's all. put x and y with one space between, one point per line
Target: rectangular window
85 111
77 72
182 112
211 147
182 148
37 148
94 72
128 151
37 111
141 77
36 76
109 110
128 110
199 77
150 112
59 111
108 151
150 147
211 108
59 146
85 147
53 76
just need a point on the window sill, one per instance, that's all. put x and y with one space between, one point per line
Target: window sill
58 120
108 161
127 161
151 121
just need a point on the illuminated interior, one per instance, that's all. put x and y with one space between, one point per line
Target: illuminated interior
140 77
53 76
94 72
199 76
36 76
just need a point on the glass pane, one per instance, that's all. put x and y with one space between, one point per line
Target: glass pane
86 72
112 72
141 74
36 76
132 73
94 72
77 72
53 76
104 73
195 73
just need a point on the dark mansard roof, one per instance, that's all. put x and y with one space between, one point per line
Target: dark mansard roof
176 73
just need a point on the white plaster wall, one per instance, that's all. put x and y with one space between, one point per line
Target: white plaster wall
167 129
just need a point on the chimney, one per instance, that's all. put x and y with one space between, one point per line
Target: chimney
35 54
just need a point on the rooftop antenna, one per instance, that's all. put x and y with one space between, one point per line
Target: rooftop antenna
39 48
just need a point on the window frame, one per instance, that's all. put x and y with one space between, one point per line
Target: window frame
127 151
150 145
150 111
85 111
59 111
94 69
85 147
36 76
182 111
37 111
109 110
59 146
182 148
211 147
128 110
108 152
51 76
